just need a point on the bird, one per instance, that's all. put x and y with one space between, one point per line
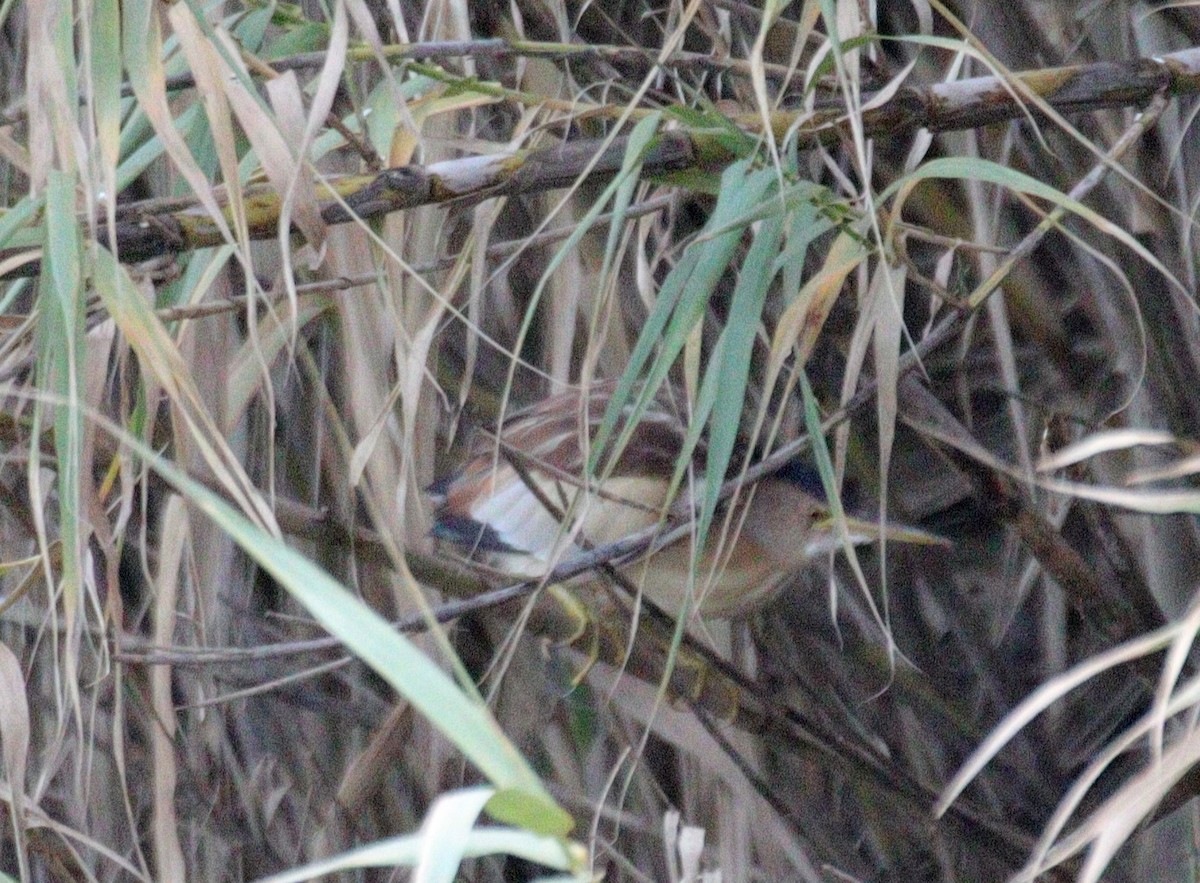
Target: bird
521 503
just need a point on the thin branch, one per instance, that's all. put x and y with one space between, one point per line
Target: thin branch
343 283
501 48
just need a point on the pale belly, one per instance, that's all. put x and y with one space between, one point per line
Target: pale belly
718 589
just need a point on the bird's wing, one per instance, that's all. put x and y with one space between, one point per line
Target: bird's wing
515 489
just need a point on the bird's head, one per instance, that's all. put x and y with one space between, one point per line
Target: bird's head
792 520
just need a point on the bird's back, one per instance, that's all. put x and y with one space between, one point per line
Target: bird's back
523 494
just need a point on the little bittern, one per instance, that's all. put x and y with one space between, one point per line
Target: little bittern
521 505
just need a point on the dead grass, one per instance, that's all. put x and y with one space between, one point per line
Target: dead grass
210 462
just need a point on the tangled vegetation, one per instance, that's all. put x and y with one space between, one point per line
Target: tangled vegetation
269 268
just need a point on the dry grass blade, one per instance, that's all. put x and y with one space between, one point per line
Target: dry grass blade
168 854
14 743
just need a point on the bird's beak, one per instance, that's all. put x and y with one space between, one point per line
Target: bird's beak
827 536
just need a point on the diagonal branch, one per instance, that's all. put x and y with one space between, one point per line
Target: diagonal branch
143 231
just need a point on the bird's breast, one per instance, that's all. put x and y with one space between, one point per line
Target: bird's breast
727 581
